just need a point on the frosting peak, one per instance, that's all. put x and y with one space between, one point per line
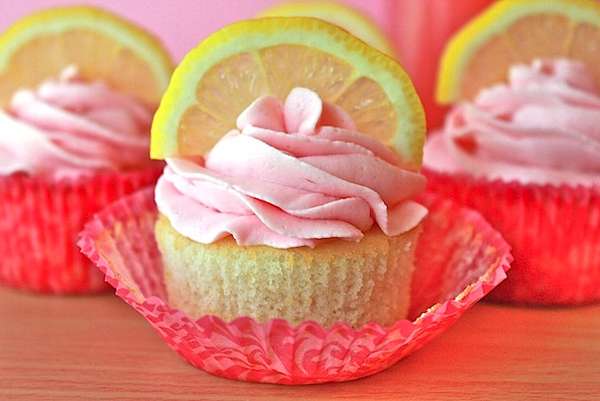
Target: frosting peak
67 127
291 174
542 126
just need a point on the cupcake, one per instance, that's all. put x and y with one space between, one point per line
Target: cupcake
295 210
293 216
282 243
78 88
522 145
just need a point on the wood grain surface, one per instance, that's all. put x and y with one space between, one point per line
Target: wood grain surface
97 348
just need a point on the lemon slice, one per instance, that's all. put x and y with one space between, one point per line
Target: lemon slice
270 56
510 32
102 46
339 14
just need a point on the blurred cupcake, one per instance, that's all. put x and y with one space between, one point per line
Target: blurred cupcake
298 209
78 87
522 143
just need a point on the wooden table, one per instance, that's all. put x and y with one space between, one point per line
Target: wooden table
97 348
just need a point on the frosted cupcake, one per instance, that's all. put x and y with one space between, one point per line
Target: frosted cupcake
68 128
526 152
283 242
295 210
78 88
294 215
539 128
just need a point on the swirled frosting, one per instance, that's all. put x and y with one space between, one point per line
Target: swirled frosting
68 128
290 175
542 127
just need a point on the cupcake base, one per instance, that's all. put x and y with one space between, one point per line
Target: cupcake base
337 281
554 232
40 222
459 259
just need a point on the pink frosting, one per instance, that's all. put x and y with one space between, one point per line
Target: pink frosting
290 175
69 128
542 127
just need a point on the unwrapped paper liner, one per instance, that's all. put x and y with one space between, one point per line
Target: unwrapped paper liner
554 233
40 221
460 259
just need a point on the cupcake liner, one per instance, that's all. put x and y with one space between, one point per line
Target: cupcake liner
460 258
39 224
554 232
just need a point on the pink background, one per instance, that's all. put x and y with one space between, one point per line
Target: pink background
181 24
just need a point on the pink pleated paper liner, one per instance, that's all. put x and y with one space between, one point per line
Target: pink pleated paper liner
554 232
40 221
460 259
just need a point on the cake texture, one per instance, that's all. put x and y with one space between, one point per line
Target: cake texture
339 280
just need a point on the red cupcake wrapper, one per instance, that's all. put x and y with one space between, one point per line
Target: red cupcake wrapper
460 259
554 232
40 221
